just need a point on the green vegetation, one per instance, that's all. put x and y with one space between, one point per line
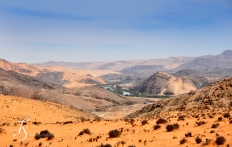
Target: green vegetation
118 90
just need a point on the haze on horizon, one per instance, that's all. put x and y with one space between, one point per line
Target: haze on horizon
88 30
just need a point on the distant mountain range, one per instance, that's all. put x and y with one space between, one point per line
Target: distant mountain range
167 63
223 60
190 72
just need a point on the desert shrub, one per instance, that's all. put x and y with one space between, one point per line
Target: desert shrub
40 144
50 137
182 141
114 133
37 136
172 127
85 131
105 145
198 99
181 118
67 122
220 140
230 121
227 115
200 123
215 125
198 140
212 131
11 146
161 121
189 134
123 142
156 127
144 122
131 146
44 134
36 123
219 119
2 131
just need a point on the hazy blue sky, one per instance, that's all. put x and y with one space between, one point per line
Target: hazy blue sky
109 30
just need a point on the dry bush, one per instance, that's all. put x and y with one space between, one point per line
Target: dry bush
215 125
85 131
198 99
181 118
144 122
161 121
37 136
67 122
114 133
212 131
200 123
226 115
156 127
219 119
189 134
172 127
220 140
182 141
36 123
44 134
198 140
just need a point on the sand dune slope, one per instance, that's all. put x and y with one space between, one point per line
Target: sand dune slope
13 108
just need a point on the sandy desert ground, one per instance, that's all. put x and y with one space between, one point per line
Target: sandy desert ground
65 124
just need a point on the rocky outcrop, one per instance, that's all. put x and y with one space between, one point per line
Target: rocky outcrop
162 83
215 96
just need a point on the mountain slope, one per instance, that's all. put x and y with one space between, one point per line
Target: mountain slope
44 112
56 75
212 97
22 68
162 83
223 60
68 79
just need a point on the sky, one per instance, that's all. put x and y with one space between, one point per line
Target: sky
112 30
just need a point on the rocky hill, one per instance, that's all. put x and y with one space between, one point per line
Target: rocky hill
88 98
165 84
212 97
54 74
22 68
13 83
